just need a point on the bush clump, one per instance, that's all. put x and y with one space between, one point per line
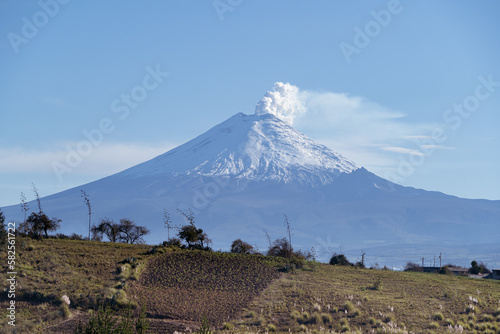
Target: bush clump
339 260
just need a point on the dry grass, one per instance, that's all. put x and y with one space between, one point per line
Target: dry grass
412 302
48 269
228 289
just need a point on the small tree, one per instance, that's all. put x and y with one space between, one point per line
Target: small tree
3 230
96 233
131 233
39 222
476 268
240 247
109 228
194 237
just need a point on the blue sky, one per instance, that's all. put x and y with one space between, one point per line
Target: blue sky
390 105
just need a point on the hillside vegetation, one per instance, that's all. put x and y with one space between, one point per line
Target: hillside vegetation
237 293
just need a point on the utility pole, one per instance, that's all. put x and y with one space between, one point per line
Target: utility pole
422 261
440 260
434 261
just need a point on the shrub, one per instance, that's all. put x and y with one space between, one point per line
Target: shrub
388 319
349 306
227 326
251 314
326 318
372 321
240 247
316 318
411 266
433 325
339 259
438 316
279 248
497 312
75 236
304 318
65 311
471 309
445 270
106 321
488 318
174 242
377 285
449 322
271 328
295 314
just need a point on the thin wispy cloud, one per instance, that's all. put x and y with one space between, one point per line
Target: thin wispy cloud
402 150
105 159
366 132
437 147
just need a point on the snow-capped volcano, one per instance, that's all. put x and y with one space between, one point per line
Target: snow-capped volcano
243 174
259 147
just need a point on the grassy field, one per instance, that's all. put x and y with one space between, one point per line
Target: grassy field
238 293
347 299
87 272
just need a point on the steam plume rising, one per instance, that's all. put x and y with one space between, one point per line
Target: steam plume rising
283 102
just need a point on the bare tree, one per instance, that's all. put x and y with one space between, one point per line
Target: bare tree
87 202
37 196
24 206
